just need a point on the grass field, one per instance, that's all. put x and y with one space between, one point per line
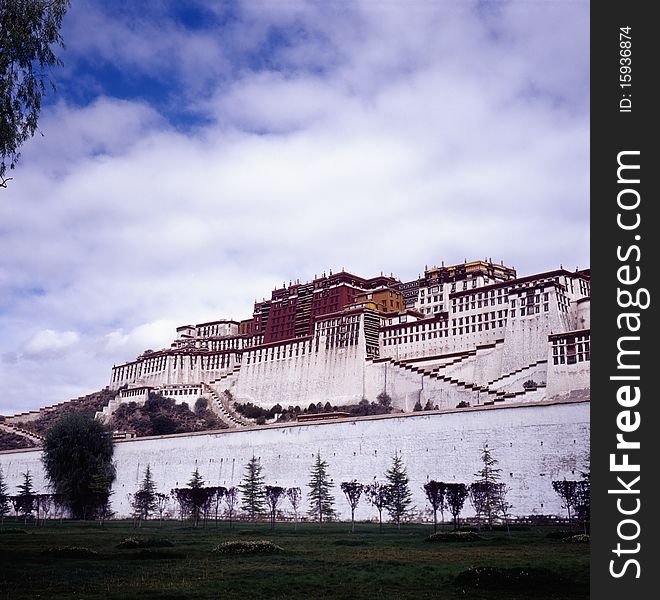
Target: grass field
328 563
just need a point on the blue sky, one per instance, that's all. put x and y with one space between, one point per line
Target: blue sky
198 153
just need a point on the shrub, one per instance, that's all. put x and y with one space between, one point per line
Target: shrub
135 542
560 535
581 538
69 552
454 536
248 547
507 578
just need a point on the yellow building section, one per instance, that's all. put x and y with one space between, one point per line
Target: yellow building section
381 300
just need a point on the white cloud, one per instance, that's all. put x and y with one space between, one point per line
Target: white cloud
49 343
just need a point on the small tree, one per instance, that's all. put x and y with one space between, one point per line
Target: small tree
482 494
567 491
502 505
435 493
274 493
162 501
231 500
44 504
4 499
320 498
378 494
26 497
294 496
455 495
486 490
218 494
352 490
583 501
144 501
400 497
194 499
252 489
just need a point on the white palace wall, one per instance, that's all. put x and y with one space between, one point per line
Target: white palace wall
333 374
535 444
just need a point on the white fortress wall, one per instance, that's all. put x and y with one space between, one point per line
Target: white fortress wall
335 374
535 444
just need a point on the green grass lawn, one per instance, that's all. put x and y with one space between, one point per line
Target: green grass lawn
327 563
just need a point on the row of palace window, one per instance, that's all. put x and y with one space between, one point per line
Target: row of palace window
256 356
488 316
571 349
479 300
405 339
182 392
153 365
529 310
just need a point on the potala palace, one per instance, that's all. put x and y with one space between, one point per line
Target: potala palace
503 360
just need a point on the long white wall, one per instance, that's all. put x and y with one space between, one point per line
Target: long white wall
534 444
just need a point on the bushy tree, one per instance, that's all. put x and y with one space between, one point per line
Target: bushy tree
400 497
435 494
216 500
162 501
273 494
29 30
294 495
252 489
231 501
455 495
44 503
567 491
378 494
353 491
502 504
321 500
583 501
77 458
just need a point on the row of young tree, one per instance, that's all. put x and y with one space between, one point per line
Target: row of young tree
199 502
488 496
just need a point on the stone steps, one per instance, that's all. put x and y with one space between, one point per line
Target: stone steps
229 417
33 437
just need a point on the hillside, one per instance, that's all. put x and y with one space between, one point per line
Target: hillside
41 421
11 441
162 416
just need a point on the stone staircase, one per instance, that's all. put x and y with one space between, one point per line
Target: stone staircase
480 394
220 407
509 377
35 438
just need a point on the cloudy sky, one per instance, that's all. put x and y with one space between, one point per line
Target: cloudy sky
198 153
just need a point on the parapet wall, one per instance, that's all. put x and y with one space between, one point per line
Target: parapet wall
535 444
